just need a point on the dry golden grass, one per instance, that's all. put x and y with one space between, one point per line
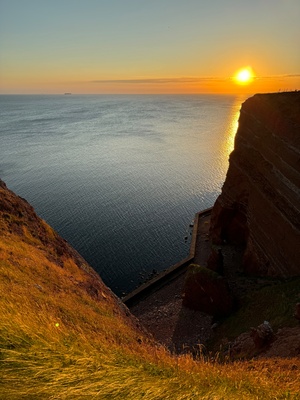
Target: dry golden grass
60 340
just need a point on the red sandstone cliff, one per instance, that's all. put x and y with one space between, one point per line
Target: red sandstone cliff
259 206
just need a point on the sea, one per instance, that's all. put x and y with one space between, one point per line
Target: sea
120 177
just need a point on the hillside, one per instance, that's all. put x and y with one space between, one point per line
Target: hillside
65 335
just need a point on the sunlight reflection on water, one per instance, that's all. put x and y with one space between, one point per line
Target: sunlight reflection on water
120 177
232 128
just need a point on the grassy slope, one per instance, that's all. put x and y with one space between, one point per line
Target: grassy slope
63 335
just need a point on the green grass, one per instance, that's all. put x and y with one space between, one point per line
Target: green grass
273 301
195 269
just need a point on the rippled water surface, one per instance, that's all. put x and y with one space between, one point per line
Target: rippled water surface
119 177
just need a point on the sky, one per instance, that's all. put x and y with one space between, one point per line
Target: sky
148 46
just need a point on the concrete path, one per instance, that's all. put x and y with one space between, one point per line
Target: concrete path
199 252
159 306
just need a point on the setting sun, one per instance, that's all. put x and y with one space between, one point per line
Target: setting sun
244 76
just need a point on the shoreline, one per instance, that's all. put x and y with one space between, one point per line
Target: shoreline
173 271
158 303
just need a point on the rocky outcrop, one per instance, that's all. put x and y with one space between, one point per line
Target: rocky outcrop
262 335
207 291
285 343
259 206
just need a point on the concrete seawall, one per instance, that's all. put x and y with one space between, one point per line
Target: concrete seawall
170 273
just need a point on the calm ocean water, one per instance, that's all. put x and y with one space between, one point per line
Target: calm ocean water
119 177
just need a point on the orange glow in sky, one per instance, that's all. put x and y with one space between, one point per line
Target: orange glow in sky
149 47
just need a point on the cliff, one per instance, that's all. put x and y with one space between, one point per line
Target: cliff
259 207
65 335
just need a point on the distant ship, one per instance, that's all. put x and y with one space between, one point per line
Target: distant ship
68 94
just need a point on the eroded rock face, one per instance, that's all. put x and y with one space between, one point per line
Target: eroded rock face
259 206
207 291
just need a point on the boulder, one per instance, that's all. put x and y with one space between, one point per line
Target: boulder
262 335
207 291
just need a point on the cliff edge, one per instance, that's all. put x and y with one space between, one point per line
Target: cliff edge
259 207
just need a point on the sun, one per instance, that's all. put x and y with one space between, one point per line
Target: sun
244 76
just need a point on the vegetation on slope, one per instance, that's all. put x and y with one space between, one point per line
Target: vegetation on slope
270 299
64 335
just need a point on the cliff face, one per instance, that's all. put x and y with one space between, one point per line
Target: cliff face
259 206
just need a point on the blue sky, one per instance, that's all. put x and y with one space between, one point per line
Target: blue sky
110 46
